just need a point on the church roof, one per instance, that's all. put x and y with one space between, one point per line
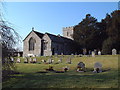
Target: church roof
58 38
37 33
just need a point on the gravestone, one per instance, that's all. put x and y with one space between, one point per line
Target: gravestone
34 60
114 51
81 67
84 51
60 60
66 68
44 61
93 54
89 52
95 51
97 67
69 60
12 59
18 60
30 60
25 60
99 52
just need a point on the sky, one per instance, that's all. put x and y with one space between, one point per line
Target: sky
51 17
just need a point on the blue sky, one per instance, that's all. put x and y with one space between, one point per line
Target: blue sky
53 16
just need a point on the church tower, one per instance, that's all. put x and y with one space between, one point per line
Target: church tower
68 32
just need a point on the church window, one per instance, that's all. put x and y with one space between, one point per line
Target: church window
45 45
32 44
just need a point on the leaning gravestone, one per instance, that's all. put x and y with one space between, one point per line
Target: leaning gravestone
114 51
93 54
97 67
81 67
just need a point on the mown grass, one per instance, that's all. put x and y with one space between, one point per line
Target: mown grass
30 78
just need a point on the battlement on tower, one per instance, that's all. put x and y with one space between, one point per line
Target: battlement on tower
68 32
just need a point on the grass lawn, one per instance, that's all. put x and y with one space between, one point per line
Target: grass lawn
31 78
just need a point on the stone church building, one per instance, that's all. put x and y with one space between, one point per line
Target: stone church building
39 44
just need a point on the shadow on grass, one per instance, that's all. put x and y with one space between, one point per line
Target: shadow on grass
62 80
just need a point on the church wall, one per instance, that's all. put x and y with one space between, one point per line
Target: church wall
48 51
37 50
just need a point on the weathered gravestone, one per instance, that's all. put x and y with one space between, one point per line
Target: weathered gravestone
97 67
99 52
114 51
93 54
81 67
18 60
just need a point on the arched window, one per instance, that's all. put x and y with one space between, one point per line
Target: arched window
32 44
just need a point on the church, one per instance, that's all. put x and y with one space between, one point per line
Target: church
39 44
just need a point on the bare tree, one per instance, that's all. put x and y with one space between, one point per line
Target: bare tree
9 38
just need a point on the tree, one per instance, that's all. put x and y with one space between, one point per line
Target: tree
86 33
112 31
9 38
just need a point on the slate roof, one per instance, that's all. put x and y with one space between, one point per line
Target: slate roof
58 38
37 33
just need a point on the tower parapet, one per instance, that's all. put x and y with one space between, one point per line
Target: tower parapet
68 32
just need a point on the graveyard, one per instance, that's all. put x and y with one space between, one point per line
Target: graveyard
38 74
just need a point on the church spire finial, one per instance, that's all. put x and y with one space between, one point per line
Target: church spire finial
32 28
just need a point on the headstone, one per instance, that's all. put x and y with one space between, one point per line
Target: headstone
25 60
81 67
97 67
65 68
12 59
69 60
18 60
93 54
34 60
84 51
89 52
56 55
99 52
95 51
44 61
30 60
114 51
18 54
60 60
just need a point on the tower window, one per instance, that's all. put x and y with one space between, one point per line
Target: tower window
67 33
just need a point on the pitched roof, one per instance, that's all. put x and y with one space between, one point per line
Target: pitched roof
37 33
58 38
